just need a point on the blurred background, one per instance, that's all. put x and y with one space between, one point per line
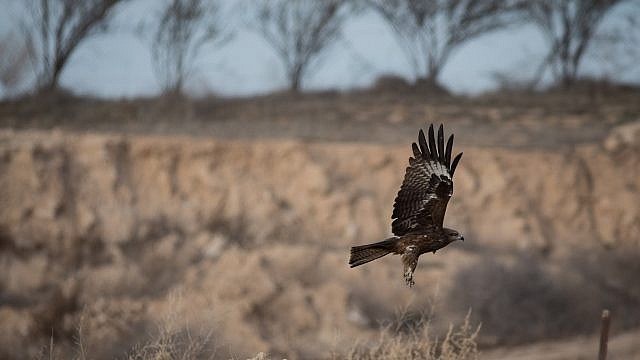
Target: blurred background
184 178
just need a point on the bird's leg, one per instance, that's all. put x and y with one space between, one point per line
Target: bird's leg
410 260
408 277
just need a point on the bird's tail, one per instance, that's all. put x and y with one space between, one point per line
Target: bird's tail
364 253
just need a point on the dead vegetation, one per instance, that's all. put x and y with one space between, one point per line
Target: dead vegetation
54 29
172 344
554 298
180 33
418 341
429 32
300 32
409 336
168 339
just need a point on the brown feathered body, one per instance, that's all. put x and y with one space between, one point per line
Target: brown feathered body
397 245
419 208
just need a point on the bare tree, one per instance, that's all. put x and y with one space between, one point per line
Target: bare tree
57 27
184 27
568 27
300 31
429 31
14 55
615 48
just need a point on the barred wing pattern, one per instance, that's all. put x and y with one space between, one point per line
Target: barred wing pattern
428 184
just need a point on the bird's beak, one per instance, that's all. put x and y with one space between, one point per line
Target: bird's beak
462 238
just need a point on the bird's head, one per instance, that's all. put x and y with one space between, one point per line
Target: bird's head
453 235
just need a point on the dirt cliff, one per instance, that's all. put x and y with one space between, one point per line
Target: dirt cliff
252 237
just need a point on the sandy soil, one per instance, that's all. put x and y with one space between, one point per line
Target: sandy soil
235 222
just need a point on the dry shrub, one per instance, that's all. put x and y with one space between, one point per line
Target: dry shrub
418 342
175 338
532 299
515 303
170 345
511 81
611 277
391 83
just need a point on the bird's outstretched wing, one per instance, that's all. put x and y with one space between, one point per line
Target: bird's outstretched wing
427 186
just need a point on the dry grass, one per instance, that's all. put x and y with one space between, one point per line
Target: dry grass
418 342
171 340
409 337
172 345
555 299
174 339
168 345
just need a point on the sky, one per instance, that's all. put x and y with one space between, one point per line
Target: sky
118 64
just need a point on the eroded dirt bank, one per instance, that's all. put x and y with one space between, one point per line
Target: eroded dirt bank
251 239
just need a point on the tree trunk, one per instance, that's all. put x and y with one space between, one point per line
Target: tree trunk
567 81
53 79
432 77
430 84
50 85
295 80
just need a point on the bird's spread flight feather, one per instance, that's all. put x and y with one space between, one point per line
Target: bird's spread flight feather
427 186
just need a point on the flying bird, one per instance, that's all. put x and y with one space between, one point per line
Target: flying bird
419 207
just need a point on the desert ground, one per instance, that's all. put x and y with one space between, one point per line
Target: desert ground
212 227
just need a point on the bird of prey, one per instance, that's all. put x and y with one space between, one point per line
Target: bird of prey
418 211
